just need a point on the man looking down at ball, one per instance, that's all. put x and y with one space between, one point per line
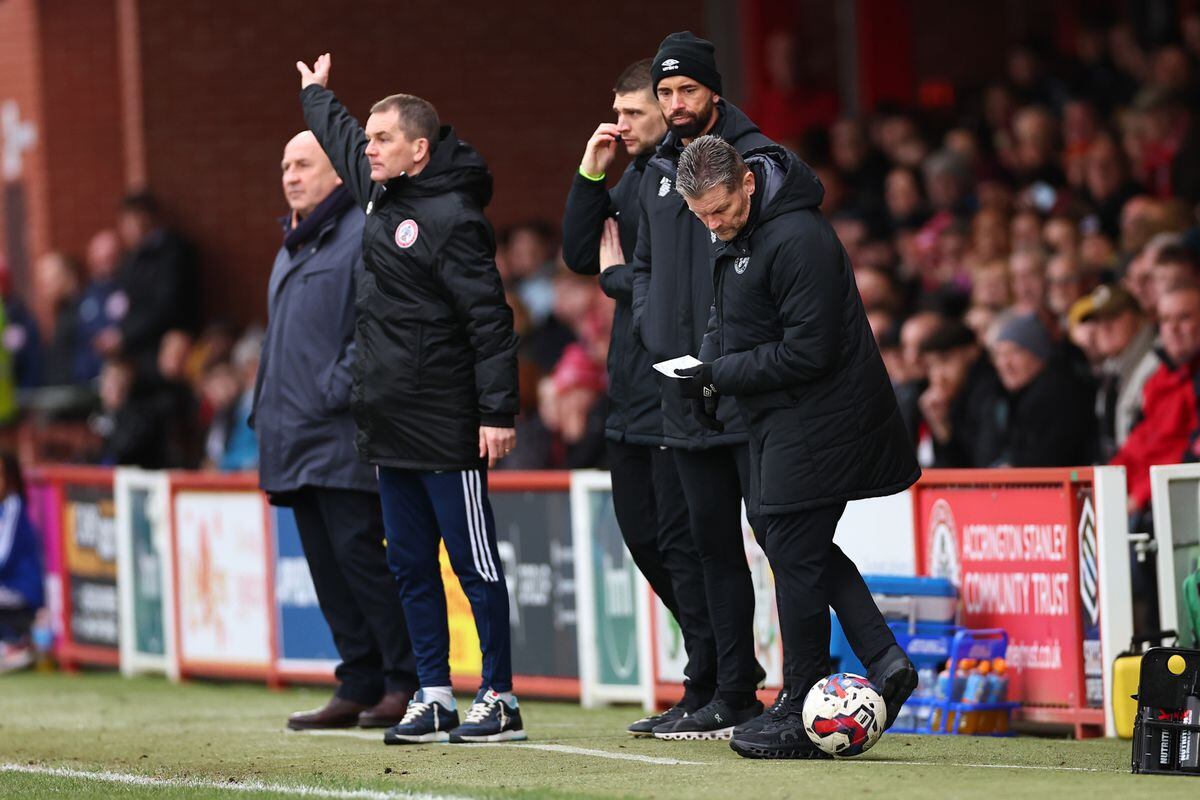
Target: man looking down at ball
788 339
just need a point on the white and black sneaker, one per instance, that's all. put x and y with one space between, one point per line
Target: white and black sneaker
490 719
646 725
715 721
423 723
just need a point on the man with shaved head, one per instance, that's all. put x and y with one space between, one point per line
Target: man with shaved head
307 458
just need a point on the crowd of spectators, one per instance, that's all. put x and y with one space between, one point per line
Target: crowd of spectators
1028 254
115 343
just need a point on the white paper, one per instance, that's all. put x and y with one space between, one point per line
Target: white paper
669 366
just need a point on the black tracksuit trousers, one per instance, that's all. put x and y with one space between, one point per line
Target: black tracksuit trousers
341 531
650 507
812 574
714 481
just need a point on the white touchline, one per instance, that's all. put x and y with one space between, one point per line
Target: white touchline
131 779
550 748
586 751
884 762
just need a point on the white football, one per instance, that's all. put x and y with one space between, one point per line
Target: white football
844 714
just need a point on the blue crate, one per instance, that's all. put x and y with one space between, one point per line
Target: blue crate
987 644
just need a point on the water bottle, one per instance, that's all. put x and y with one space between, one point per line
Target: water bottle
42 635
997 692
957 687
941 693
974 692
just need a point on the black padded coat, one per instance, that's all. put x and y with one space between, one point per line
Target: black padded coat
789 340
436 354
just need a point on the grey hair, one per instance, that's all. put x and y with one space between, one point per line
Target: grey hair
708 162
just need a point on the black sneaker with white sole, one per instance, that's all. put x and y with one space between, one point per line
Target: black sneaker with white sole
782 735
490 719
896 679
646 725
423 723
715 721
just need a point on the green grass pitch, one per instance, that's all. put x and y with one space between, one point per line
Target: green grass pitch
98 735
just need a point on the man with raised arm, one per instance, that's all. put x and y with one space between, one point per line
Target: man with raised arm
434 385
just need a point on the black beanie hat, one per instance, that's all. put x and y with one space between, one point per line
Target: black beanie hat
686 54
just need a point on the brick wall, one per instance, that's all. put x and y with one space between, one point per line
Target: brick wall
81 119
220 100
215 89
20 82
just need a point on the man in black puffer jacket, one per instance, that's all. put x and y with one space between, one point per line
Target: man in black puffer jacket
434 384
788 339
672 292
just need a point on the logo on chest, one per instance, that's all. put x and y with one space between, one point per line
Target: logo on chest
406 234
664 187
740 265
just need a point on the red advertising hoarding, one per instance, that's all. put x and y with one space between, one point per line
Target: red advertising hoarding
1020 545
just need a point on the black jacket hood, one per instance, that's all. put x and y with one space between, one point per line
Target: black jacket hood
455 166
784 183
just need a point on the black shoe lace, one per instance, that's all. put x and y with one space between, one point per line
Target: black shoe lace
779 708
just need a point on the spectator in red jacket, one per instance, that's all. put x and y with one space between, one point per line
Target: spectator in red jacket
1169 399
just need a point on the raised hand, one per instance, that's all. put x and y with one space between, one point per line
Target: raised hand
600 150
319 74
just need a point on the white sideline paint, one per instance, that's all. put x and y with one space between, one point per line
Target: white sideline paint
549 748
1037 767
291 790
585 751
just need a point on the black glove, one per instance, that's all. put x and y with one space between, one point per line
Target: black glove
704 409
698 383
698 387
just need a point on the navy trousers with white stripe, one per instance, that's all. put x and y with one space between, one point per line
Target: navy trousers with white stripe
419 510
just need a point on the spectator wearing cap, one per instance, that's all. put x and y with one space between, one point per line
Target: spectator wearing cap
1124 341
959 405
1081 332
1169 398
1044 416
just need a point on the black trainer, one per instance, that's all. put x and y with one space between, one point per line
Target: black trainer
781 736
715 721
762 719
490 719
646 725
896 678
423 723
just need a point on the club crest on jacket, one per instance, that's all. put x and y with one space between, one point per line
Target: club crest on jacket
740 265
406 233
664 187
